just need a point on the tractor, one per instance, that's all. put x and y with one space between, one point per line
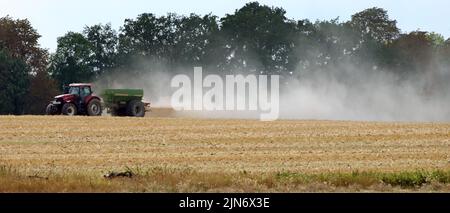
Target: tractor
78 99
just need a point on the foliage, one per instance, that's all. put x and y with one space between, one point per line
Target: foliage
374 23
103 40
14 81
254 39
21 41
29 84
259 38
42 90
71 61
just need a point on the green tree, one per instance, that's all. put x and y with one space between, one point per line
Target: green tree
259 38
374 23
104 45
376 32
14 84
436 39
20 40
169 43
42 90
148 38
413 53
71 62
196 41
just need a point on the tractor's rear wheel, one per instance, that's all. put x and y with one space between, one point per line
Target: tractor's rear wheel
94 108
136 108
69 109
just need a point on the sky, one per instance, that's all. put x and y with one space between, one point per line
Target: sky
54 18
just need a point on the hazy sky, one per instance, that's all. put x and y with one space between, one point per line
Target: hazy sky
53 18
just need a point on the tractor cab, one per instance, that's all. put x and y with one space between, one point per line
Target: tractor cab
80 90
78 99
81 94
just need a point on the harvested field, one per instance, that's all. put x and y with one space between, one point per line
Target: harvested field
188 154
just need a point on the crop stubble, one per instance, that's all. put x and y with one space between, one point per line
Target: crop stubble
93 145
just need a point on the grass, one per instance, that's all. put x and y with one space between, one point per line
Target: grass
188 180
405 179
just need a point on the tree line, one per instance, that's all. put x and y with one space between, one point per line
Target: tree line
254 39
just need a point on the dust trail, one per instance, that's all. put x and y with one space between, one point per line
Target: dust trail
354 94
347 93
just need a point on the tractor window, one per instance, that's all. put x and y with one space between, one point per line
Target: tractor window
85 91
74 91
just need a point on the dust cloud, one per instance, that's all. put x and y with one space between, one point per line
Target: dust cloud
367 95
347 93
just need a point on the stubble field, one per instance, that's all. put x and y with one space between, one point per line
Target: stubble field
167 154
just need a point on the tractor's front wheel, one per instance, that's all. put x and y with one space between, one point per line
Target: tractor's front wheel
94 108
51 110
69 109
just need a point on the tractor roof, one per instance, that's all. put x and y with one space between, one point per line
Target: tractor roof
80 85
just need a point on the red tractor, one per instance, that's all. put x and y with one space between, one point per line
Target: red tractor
77 100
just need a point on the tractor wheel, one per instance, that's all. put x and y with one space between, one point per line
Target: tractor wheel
94 108
50 110
69 109
136 108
